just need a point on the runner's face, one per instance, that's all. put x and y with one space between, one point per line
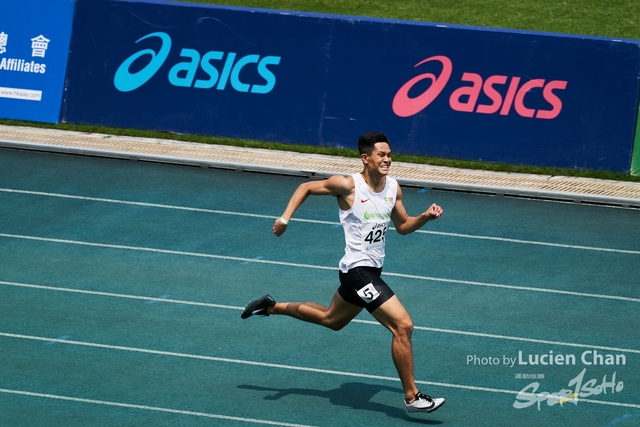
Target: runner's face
380 158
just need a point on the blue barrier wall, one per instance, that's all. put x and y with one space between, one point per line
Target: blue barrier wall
635 159
446 91
34 42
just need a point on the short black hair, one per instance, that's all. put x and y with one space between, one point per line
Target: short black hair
367 141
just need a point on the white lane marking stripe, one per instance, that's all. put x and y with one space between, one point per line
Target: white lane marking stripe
163 251
220 212
287 367
146 408
519 288
512 338
531 242
369 322
127 202
116 295
318 267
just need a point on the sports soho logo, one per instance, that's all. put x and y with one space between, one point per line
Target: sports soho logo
465 98
183 74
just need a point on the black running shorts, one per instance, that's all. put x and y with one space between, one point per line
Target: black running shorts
362 286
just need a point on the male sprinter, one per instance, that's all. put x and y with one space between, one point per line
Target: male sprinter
368 201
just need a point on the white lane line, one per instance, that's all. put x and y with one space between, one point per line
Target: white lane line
244 214
149 205
288 367
368 322
512 338
318 267
531 242
519 288
116 295
147 408
163 251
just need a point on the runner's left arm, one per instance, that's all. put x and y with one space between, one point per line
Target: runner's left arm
406 224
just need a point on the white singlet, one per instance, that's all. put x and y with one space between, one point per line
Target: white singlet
366 224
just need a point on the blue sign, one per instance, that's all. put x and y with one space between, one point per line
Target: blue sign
445 91
34 42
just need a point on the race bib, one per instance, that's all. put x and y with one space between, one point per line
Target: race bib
368 293
373 235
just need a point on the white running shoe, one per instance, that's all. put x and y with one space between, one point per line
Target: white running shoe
424 403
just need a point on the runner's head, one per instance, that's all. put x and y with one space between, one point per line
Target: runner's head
367 142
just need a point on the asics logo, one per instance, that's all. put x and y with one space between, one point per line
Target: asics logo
216 69
404 106
505 93
126 81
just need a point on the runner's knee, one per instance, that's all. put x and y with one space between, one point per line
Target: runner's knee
334 324
404 327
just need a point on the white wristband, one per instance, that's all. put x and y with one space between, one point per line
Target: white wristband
284 221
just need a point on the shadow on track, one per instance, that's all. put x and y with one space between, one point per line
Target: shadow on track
352 395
